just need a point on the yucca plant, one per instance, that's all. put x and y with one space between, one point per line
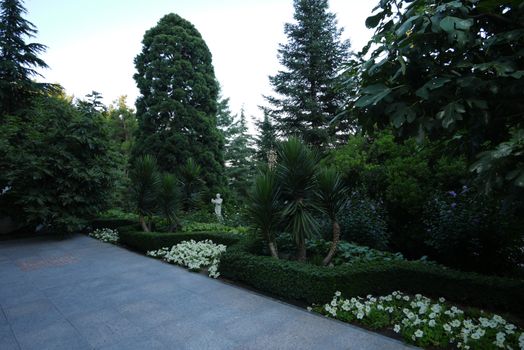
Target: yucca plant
145 181
264 207
332 194
296 172
191 180
168 200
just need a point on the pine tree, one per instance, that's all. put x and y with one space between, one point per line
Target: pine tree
177 108
18 60
307 95
238 150
266 141
239 159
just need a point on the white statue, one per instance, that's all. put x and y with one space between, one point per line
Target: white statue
218 206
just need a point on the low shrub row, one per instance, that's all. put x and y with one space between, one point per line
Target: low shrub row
111 223
146 241
317 284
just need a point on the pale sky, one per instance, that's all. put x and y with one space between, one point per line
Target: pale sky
92 43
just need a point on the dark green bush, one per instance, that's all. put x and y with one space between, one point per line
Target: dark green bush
145 241
363 220
317 284
473 231
112 223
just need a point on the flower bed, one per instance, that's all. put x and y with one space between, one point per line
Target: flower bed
424 322
193 255
105 235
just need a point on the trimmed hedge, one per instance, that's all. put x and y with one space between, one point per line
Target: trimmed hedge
112 223
317 284
144 241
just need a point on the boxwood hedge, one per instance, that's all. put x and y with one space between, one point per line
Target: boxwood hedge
317 284
144 241
293 280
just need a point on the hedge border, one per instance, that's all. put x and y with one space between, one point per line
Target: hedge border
293 280
145 241
315 284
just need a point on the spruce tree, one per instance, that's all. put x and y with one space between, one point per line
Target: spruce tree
238 150
307 98
177 108
240 153
18 59
266 141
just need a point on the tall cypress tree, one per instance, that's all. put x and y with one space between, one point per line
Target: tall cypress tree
18 60
177 108
307 98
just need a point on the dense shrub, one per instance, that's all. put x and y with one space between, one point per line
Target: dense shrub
146 241
473 231
212 227
363 220
403 174
111 223
58 164
349 253
316 284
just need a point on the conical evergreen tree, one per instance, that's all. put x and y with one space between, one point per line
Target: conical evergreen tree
239 157
177 108
238 150
307 98
18 60
266 140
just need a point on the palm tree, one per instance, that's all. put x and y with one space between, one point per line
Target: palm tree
191 178
168 199
263 207
296 173
145 183
331 197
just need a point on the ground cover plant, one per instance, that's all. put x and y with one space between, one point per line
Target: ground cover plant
425 322
105 235
193 255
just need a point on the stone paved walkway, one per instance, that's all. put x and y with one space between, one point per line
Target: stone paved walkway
80 293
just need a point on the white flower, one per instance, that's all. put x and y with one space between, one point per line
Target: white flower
447 327
309 308
418 333
360 315
337 293
455 323
194 255
432 323
396 329
105 235
521 341
441 299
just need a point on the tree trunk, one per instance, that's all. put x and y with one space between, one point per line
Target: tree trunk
301 254
143 223
334 244
273 249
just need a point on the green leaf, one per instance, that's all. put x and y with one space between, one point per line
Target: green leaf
373 94
406 25
433 84
451 24
373 21
451 113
